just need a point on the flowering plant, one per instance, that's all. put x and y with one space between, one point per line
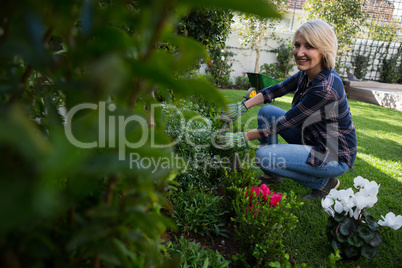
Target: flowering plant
350 228
262 217
265 193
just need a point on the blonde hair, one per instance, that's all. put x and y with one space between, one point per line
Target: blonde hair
320 35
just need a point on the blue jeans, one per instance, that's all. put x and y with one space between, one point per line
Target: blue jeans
289 160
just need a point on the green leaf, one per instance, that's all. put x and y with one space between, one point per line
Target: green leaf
341 238
376 240
348 227
365 232
336 245
331 222
206 263
339 217
351 251
190 50
109 39
257 7
275 264
369 251
355 241
372 224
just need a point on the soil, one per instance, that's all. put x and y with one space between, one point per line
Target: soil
227 247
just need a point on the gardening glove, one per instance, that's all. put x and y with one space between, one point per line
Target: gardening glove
234 111
230 139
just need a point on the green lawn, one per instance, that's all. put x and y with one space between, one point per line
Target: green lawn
379 137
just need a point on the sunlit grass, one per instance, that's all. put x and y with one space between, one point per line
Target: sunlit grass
379 158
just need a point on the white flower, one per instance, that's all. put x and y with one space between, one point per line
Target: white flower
330 211
344 200
365 201
348 200
360 182
338 207
367 196
356 213
392 221
371 188
327 202
333 194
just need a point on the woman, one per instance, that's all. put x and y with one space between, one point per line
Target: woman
318 128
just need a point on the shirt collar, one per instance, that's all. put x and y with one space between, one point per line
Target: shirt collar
323 74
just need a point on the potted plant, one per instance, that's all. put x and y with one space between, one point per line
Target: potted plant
351 229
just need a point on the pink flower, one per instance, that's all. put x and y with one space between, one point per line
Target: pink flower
253 189
265 190
256 190
275 199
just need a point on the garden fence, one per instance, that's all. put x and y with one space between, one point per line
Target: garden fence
378 50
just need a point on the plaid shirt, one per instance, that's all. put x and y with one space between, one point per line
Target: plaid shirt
321 111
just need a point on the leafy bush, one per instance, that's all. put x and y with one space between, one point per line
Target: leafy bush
237 180
280 70
64 204
389 72
220 68
207 77
242 82
198 211
192 125
260 228
192 254
360 65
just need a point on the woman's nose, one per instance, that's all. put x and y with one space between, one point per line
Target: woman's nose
300 52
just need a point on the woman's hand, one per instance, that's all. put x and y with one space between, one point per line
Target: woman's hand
234 111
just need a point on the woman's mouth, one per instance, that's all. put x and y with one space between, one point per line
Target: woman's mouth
302 61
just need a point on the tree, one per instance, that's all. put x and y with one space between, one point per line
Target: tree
211 28
254 28
346 16
208 26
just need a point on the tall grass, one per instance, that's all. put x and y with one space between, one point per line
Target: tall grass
379 138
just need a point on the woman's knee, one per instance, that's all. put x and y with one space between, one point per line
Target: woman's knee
266 158
269 113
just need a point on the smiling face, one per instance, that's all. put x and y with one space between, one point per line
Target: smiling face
308 58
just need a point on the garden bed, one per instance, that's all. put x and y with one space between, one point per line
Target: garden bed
380 150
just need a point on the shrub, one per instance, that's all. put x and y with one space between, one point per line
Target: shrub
192 254
67 205
360 65
237 180
280 70
220 68
389 72
206 77
192 125
242 82
261 219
